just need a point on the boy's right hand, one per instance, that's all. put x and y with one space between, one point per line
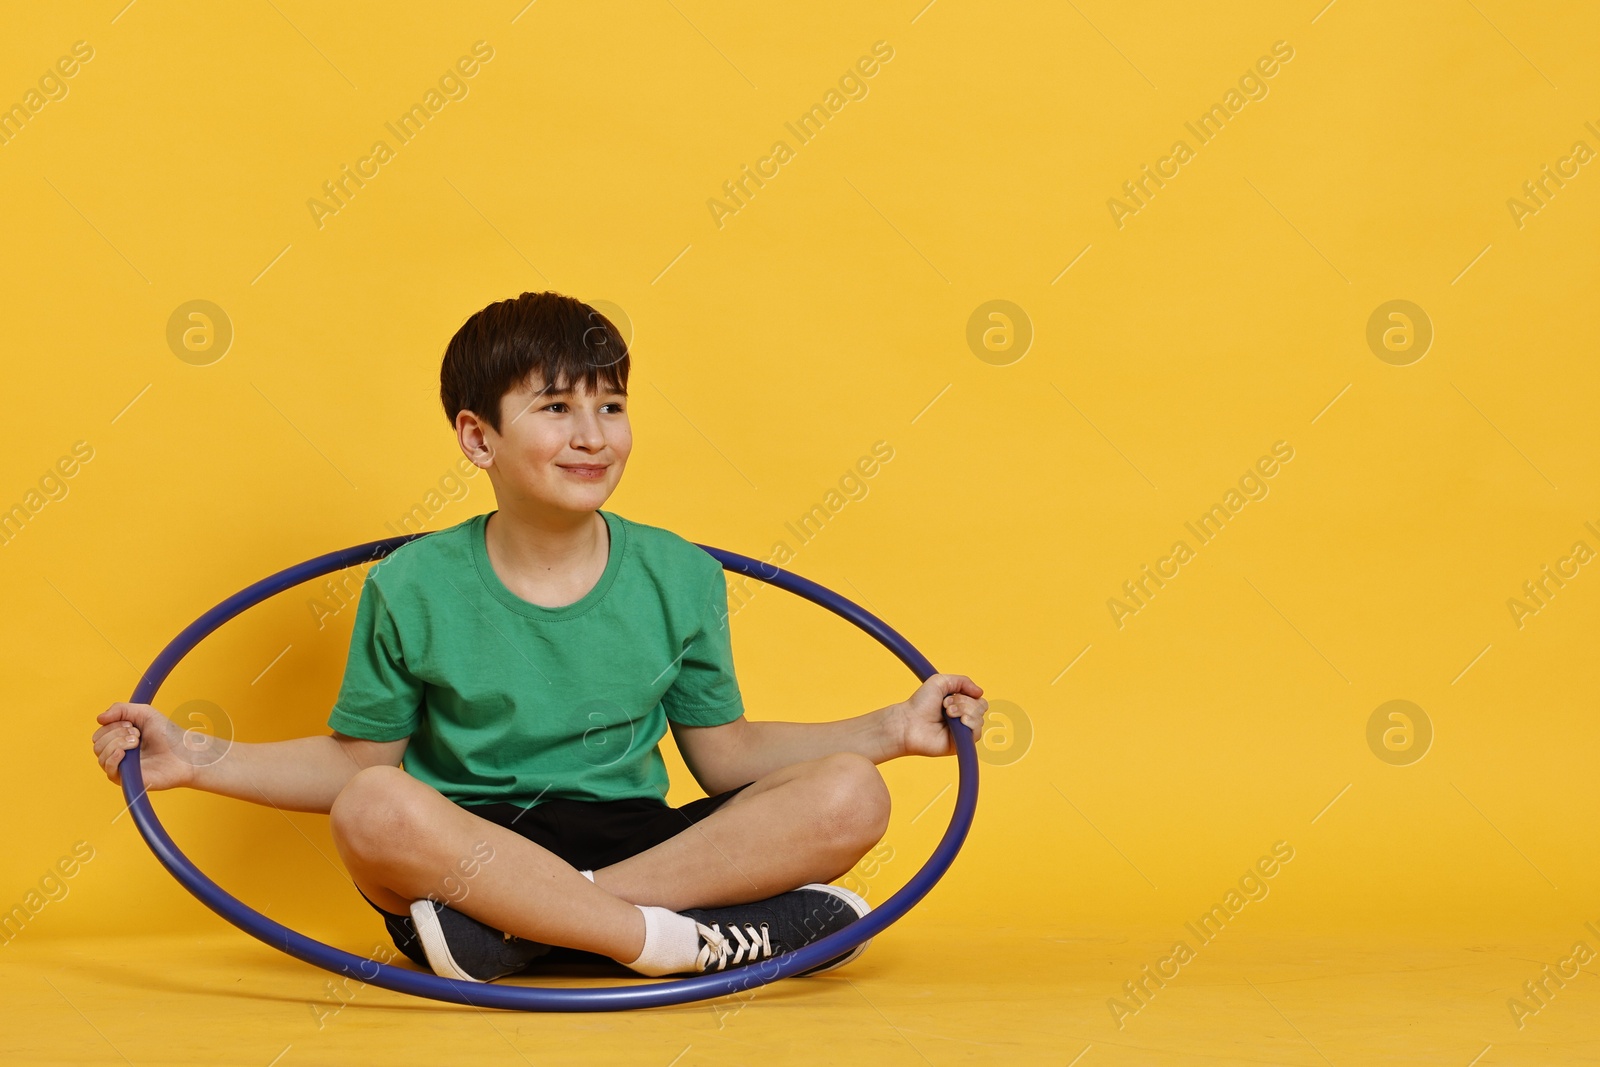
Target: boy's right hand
163 757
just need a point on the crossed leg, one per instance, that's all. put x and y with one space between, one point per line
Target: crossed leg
402 841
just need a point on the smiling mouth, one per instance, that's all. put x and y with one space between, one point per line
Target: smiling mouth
584 471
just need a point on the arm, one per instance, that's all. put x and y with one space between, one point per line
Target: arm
722 757
303 774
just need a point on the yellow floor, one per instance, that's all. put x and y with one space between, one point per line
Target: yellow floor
921 995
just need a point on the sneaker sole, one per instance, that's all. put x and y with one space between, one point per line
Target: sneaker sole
859 906
434 946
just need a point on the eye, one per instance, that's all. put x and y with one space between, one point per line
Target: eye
557 404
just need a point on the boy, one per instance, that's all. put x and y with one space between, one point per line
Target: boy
525 664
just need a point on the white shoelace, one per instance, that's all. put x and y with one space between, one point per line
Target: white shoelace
718 948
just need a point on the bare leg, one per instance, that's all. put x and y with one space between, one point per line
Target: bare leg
809 822
403 841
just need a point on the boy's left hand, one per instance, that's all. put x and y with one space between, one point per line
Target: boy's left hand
923 715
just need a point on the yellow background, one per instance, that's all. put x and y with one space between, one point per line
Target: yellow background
771 353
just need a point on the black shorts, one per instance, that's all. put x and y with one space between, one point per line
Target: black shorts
587 834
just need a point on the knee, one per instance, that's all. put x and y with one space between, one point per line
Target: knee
379 810
853 801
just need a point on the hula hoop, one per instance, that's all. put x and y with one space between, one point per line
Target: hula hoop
533 998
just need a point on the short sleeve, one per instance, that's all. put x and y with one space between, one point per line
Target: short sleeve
379 699
706 690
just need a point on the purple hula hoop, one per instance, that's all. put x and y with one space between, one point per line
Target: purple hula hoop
530 998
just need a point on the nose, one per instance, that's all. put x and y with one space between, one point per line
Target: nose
587 434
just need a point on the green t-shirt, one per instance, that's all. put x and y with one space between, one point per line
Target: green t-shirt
508 701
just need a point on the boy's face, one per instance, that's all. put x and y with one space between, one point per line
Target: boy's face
564 449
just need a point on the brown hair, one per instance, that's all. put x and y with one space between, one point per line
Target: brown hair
560 338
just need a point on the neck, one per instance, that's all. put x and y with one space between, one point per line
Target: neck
536 541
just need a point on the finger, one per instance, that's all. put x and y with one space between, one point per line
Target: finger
112 714
120 747
108 736
960 683
117 740
962 704
108 729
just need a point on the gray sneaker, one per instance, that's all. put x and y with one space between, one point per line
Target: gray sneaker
742 934
460 947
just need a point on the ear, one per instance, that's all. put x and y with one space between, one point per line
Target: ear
473 436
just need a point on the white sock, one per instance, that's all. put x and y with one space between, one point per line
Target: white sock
671 943
587 874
